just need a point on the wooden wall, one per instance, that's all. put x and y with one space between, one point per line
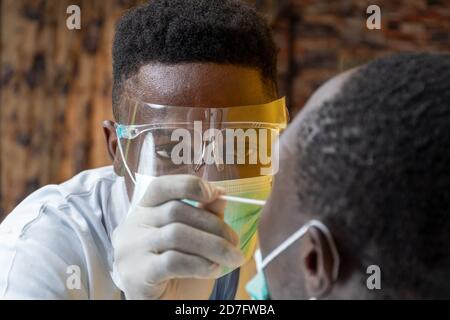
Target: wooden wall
320 38
56 90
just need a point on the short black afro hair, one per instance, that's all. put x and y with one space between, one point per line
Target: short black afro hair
374 164
178 31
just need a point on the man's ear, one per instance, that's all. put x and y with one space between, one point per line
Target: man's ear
111 138
111 143
317 263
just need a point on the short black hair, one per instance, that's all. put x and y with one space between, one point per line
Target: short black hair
183 31
374 164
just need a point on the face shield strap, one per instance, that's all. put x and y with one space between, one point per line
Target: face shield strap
120 134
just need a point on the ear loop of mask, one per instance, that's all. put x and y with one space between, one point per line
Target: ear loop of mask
119 134
297 235
124 161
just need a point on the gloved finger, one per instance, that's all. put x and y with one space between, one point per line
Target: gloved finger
217 206
177 211
174 264
176 187
183 238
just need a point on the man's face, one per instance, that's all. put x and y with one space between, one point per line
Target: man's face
282 216
196 85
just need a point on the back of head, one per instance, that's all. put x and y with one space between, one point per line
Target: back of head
374 164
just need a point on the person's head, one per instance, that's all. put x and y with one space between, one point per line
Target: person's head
369 157
198 53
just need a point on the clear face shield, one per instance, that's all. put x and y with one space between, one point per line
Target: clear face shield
230 147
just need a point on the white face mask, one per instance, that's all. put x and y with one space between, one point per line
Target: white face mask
243 218
257 287
140 186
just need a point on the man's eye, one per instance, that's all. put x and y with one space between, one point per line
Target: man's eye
164 151
163 154
244 150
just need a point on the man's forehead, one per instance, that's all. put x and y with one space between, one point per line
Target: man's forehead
198 84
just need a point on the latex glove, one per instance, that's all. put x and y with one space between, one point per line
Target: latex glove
167 249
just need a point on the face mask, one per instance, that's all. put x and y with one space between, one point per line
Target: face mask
258 288
141 184
243 218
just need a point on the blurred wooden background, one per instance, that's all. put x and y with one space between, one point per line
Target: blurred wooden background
56 83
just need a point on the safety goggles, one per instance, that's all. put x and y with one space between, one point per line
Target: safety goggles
213 143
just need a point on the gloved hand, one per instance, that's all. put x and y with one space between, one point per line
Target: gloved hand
167 249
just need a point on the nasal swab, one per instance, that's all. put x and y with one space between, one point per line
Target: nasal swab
243 200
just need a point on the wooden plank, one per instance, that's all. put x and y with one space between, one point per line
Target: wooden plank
56 90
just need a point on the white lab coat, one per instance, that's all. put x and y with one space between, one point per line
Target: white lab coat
62 233
58 231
